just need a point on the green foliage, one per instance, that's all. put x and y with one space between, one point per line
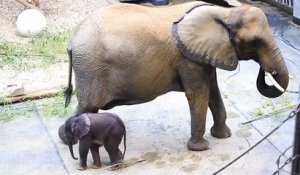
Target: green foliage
257 112
49 44
48 107
41 50
55 107
11 54
269 105
9 112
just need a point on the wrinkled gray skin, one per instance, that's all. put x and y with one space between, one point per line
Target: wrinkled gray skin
94 130
176 48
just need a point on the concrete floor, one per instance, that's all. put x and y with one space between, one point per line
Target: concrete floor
158 131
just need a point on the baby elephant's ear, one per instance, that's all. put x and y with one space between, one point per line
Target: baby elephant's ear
82 126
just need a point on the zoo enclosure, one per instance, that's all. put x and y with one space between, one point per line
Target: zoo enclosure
291 7
285 5
288 3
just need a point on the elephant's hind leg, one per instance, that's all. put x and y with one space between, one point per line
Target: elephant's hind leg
111 145
216 105
115 154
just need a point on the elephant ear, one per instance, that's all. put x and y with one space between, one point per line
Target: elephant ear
203 36
81 126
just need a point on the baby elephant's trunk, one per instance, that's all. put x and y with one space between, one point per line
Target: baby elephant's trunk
71 151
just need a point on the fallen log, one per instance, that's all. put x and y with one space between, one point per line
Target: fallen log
34 95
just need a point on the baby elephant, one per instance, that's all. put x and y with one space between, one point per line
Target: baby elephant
94 130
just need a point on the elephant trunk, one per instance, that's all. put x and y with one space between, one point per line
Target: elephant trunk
272 65
71 151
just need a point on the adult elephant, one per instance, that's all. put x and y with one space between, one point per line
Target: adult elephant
129 54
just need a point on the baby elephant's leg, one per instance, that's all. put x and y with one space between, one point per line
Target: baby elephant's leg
84 146
115 154
96 156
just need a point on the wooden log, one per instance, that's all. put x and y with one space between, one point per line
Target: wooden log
31 95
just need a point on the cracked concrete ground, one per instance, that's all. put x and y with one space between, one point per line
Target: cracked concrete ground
158 131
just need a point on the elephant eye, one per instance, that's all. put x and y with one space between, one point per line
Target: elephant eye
256 43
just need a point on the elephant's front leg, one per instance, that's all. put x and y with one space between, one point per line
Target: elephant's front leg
84 146
216 105
96 156
198 102
196 83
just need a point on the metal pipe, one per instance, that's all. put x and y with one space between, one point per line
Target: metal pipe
296 151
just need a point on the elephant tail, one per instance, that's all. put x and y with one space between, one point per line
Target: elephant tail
68 92
124 145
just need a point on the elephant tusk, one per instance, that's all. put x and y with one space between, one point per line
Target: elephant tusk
233 2
273 81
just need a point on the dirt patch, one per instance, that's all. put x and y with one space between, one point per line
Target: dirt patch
151 156
243 133
196 158
189 168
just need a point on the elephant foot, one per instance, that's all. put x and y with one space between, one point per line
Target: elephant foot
220 132
96 166
197 144
82 168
